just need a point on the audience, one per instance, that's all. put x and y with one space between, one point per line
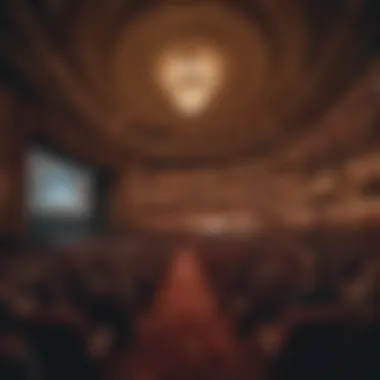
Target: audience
122 310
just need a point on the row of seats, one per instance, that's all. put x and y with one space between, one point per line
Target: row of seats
73 313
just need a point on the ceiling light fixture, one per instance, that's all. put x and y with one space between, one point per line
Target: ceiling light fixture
191 75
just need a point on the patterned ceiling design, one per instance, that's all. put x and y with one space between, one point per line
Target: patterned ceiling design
291 62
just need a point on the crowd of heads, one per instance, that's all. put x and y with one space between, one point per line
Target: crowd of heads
127 308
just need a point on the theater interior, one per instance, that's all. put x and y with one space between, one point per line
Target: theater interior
162 217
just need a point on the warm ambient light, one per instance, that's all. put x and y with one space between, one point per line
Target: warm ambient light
191 75
218 224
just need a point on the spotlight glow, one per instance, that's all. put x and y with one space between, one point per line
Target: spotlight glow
191 75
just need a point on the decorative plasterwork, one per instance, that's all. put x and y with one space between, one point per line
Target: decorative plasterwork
92 63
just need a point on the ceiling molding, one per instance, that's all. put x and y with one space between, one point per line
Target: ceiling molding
304 60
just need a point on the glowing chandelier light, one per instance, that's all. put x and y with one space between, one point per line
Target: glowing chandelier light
191 75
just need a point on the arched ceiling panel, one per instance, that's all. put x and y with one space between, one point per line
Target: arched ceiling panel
290 61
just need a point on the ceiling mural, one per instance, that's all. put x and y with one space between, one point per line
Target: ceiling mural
161 80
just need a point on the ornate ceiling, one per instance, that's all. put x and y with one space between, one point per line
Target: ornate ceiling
288 63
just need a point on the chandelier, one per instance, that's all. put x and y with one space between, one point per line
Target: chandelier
191 76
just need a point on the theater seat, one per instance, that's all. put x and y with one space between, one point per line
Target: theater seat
61 352
12 368
330 351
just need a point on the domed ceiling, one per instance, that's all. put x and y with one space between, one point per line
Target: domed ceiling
189 80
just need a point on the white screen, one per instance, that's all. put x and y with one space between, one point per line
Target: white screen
57 188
